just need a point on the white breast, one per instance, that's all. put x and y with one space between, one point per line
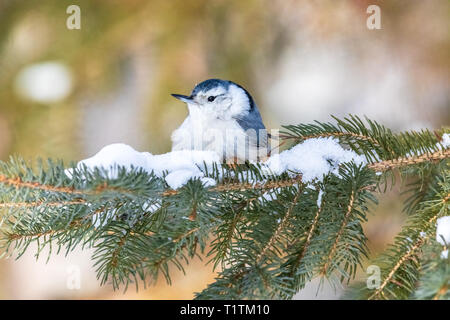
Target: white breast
225 137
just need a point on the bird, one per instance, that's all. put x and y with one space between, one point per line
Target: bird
223 117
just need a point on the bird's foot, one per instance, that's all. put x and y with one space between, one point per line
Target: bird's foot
231 163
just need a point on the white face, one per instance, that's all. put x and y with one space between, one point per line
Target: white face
221 103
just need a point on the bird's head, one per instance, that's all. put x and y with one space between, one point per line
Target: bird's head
221 99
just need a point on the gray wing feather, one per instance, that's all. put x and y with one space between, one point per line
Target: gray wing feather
253 121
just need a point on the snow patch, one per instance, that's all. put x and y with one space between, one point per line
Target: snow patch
443 230
313 158
446 140
180 166
319 198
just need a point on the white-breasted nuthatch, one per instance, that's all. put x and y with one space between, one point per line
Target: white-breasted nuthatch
223 117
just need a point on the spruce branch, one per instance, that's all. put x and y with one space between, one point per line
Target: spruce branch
339 234
408 161
270 233
311 231
401 262
408 255
442 292
38 203
376 142
279 230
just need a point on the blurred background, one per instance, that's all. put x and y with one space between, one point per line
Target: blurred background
66 93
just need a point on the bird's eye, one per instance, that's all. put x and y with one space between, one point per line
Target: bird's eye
211 98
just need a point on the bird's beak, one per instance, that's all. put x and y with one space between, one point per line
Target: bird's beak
183 98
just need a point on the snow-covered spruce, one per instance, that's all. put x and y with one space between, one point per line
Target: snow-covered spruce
313 159
177 167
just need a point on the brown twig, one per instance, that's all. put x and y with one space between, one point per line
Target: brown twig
40 203
247 186
115 254
283 223
404 258
406 161
339 235
331 134
442 290
193 214
18 183
308 240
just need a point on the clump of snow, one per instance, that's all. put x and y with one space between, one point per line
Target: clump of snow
445 140
444 143
444 254
114 155
180 166
443 230
319 198
313 158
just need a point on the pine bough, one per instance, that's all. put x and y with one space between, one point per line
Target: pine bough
268 232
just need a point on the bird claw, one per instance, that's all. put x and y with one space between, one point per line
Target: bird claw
231 163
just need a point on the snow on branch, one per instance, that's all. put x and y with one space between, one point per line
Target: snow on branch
272 225
313 159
